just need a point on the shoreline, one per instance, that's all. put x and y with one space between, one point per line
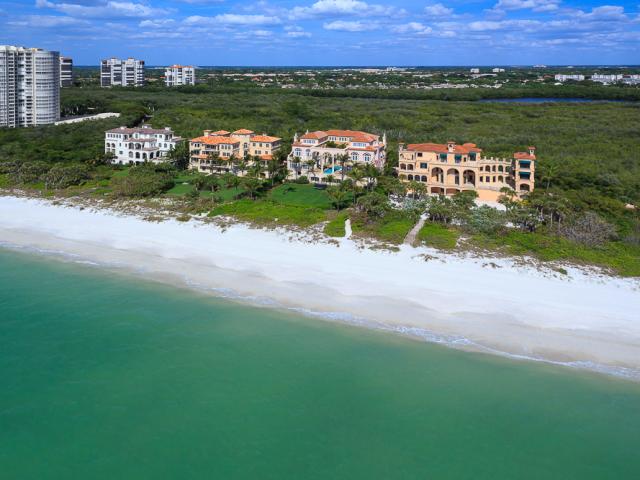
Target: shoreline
490 305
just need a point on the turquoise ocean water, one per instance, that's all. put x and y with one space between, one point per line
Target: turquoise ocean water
104 376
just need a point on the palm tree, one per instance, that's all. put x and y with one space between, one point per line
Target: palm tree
550 174
356 174
251 185
342 160
371 173
311 166
337 195
329 179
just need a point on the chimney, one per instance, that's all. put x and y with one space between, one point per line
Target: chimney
207 133
451 146
401 147
532 151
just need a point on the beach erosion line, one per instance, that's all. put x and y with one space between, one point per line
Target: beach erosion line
581 320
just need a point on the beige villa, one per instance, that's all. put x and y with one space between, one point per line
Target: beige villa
223 151
449 168
320 154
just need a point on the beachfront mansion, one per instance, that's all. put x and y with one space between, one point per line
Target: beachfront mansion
235 152
138 145
320 154
449 168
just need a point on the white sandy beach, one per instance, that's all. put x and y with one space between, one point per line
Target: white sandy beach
582 318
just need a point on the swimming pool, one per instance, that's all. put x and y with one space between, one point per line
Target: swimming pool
330 170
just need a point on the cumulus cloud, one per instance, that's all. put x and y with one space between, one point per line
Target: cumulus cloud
438 10
415 28
350 26
535 5
48 21
334 8
108 9
232 19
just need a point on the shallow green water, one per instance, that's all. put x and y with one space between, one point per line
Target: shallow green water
105 377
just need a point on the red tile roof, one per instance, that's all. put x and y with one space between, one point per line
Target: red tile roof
264 138
442 148
215 140
353 135
243 131
523 156
315 135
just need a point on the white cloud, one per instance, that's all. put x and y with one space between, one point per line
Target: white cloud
48 21
233 19
294 31
107 9
160 23
415 28
350 26
333 8
299 34
535 5
438 10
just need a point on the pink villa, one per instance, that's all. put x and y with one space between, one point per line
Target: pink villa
449 168
321 154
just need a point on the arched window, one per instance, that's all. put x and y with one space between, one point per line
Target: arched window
354 157
409 166
423 178
130 154
410 177
403 166
137 154
367 157
500 178
500 168
298 152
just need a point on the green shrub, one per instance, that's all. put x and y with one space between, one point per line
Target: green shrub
438 236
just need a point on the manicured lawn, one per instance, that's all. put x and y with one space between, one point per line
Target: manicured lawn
438 236
268 212
300 195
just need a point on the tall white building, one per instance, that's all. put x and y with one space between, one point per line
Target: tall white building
29 86
139 145
66 72
122 73
178 75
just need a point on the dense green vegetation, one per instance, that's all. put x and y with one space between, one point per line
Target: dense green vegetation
267 212
588 162
438 236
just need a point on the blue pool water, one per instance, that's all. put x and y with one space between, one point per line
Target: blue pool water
330 170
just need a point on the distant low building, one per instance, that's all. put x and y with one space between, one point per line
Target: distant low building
334 152
565 78
447 169
474 70
600 78
66 72
139 145
178 75
497 70
235 152
121 73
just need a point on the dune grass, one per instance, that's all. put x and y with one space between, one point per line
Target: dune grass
266 212
438 236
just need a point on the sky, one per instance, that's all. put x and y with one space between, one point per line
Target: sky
329 32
